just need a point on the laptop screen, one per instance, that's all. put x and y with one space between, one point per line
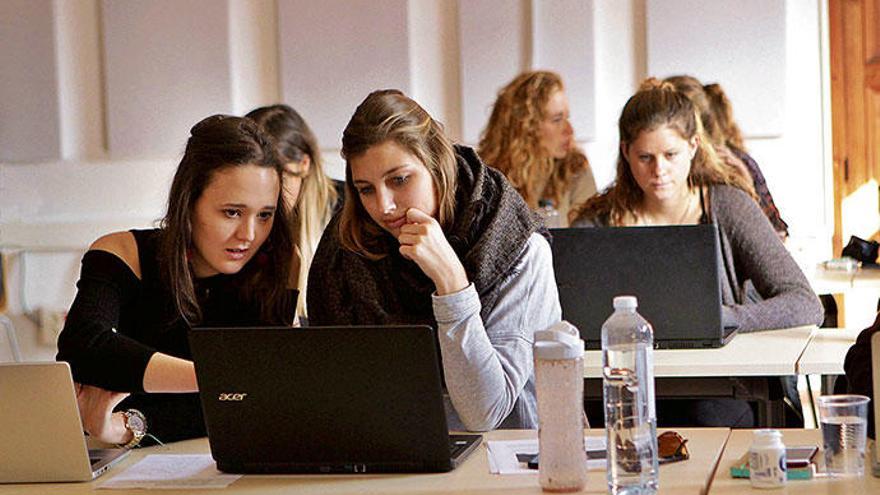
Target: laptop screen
41 437
306 399
673 270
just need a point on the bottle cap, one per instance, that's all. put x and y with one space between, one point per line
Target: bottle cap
626 302
562 331
766 432
767 436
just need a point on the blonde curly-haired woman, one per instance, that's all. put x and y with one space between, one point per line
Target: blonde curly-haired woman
530 139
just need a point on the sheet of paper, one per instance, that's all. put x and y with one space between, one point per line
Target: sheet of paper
169 471
503 455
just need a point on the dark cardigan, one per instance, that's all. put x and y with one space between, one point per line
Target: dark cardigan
752 252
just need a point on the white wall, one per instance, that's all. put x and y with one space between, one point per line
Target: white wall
49 212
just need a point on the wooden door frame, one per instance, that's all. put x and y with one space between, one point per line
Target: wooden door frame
854 152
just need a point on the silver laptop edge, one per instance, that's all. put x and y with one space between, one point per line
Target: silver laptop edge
41 438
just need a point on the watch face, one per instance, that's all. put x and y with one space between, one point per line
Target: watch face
136 423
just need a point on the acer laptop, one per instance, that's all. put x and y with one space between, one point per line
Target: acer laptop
41 436
673 270
325 400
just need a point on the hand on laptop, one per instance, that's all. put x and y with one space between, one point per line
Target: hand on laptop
98 419
422 240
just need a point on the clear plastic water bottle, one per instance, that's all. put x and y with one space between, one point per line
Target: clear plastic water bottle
559 379
630 418
551 216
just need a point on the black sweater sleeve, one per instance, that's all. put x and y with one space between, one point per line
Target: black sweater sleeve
170 417
97 353
857 366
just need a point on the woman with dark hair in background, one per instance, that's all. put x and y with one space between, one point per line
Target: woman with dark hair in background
222 257
716 114
429 235
309 193
530 139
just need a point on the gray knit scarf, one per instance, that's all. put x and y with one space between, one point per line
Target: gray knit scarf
492 225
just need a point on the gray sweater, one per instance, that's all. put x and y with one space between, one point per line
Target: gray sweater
488 364
752 252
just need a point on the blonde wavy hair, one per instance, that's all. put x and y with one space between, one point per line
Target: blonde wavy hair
314 207
511 141
657 104
389 115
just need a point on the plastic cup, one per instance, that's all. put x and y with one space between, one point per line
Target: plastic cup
844 420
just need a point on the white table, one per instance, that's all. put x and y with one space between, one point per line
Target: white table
826 351
860 289
830 281
472 477
737 370
837 281
739 443
824 356
768 353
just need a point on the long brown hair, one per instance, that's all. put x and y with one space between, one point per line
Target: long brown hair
389 115
216 143
723 110
511 141
314 207
693 89
657 104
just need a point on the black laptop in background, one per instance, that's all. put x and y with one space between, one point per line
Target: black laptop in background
325 400
673 270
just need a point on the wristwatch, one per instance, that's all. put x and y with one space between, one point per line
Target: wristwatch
136 423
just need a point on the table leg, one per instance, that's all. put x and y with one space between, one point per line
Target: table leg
812 402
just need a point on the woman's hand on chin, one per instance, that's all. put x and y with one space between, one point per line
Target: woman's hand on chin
422 240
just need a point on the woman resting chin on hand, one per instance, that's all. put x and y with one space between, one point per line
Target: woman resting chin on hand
429 235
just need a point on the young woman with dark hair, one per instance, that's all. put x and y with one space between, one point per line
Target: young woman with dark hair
221 257
429 235
668 174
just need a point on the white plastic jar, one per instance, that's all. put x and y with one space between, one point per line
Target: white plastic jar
767 460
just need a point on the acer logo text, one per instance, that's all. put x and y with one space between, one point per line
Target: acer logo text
232 397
